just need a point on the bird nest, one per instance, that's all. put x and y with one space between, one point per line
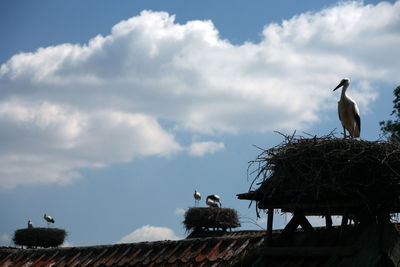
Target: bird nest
39 237
210 218
327 169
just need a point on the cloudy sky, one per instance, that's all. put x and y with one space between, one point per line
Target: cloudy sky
112 114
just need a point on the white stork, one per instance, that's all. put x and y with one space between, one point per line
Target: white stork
48 219
197 197
348 111
212 201
30 224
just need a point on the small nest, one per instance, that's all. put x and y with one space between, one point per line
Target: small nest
326 169
210 218
39 237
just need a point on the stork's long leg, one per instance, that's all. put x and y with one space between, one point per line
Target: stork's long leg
344 132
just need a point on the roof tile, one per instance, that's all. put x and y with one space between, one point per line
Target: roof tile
168 253
86 258
177 256
209 251
214 253
123 254
136 254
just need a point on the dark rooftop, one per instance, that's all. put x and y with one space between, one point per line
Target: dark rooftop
338 246
223 250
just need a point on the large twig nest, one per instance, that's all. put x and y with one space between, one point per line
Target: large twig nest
211 218
39 237
328 168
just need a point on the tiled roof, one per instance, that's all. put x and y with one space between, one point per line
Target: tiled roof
212 251
339 246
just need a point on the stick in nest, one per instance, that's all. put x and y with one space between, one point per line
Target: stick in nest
322 167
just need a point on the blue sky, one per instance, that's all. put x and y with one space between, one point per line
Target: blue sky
112 114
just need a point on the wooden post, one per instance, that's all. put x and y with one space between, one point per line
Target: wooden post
345 217
270 222
268 238
289 229
328 220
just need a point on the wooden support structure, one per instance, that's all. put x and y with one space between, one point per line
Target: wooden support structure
289 229
345 217
270 223
328 221
304 223
298 219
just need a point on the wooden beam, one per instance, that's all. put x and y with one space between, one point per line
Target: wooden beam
308 205
345 217
305 224
323 211
328 221
309 251
270 222
289 228
248 196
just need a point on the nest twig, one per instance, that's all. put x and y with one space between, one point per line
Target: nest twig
39 237
327 167
211 218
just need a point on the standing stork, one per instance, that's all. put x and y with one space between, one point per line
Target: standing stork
48 219
212 201
348 111
197 197
30 224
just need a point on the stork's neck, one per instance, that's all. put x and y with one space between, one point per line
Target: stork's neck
344 90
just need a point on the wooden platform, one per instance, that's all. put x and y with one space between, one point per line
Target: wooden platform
310 206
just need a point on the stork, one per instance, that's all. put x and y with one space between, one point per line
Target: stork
48 219
348 111
197 197
30 224
212 201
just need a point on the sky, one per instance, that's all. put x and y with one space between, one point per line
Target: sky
113 113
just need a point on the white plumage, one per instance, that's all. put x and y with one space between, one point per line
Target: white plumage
349 114
197 197
213 201
48 218
30 224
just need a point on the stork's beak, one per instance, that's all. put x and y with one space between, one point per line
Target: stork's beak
339 85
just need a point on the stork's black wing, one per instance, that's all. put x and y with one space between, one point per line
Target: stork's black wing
358 121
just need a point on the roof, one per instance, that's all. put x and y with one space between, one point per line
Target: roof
340 246
211 251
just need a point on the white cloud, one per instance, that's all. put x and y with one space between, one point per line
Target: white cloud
180 211
66 244
49 142
149 233
5 240
201 148
75 106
